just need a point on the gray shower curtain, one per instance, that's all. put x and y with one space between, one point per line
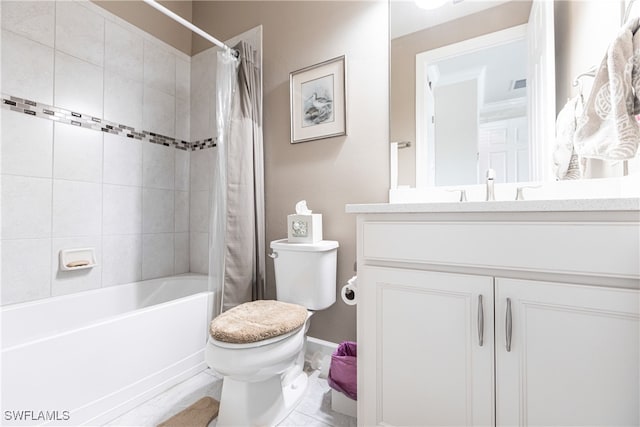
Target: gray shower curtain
244 251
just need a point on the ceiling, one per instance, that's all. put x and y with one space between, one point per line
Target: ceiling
502 64
405 17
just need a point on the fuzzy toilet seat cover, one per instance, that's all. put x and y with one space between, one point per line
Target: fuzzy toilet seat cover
256 321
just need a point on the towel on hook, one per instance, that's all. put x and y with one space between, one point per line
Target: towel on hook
565 158
608 129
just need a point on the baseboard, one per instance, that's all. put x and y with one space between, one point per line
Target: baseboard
316 344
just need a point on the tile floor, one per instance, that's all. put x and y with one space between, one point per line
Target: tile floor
313 410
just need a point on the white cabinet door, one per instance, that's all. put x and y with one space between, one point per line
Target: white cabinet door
420 360
574 358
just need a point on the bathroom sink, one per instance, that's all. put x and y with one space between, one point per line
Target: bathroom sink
609 188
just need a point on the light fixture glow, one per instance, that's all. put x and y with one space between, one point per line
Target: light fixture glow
430 4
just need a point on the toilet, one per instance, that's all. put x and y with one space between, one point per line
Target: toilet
258 347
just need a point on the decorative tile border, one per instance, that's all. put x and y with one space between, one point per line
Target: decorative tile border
38 109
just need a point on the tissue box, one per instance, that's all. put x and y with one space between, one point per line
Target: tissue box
304 228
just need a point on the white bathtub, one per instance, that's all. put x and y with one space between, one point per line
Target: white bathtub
89 357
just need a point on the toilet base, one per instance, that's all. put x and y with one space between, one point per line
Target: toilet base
262 403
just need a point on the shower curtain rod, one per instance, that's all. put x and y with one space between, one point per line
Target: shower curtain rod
189 25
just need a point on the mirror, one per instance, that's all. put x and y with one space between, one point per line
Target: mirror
464 93
471 109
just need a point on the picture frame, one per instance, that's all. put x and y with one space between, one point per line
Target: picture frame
318 101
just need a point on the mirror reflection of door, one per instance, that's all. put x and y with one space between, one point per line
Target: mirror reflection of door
430 113
456 132
475 111
503 146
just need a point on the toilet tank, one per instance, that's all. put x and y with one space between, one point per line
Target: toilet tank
305 272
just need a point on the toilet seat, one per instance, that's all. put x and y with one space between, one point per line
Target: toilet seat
258 360
257 321
255 344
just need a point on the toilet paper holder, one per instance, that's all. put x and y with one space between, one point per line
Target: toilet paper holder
349 292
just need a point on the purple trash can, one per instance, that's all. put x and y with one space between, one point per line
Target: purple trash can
343 372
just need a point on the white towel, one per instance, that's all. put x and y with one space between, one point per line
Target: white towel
608 129
565 158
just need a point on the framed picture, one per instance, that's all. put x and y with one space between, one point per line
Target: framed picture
318 101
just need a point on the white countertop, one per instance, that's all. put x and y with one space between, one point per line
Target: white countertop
564 205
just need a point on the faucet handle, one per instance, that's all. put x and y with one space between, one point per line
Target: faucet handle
520 191
491 177
463 193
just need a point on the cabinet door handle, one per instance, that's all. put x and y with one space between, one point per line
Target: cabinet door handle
508 324
480 321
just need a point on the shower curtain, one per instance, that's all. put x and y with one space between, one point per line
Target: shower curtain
237 242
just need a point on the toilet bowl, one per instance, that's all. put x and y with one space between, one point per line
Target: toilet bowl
256 360
263 374
263 381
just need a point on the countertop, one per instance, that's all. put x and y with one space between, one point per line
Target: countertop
564 205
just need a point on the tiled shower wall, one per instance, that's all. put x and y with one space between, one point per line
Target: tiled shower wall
95 173
203 92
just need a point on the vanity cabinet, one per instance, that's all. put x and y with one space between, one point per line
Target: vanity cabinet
574 355
498 318
427 359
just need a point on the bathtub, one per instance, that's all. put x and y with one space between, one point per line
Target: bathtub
89 357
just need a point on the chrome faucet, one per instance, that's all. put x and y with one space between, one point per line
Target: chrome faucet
520 191
463 194
491 175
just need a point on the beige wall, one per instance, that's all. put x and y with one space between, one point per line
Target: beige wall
583 31
327 173
403 69
152 21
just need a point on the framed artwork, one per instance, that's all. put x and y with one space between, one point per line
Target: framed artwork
318 101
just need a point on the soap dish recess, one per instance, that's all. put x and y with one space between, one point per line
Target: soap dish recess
77 259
